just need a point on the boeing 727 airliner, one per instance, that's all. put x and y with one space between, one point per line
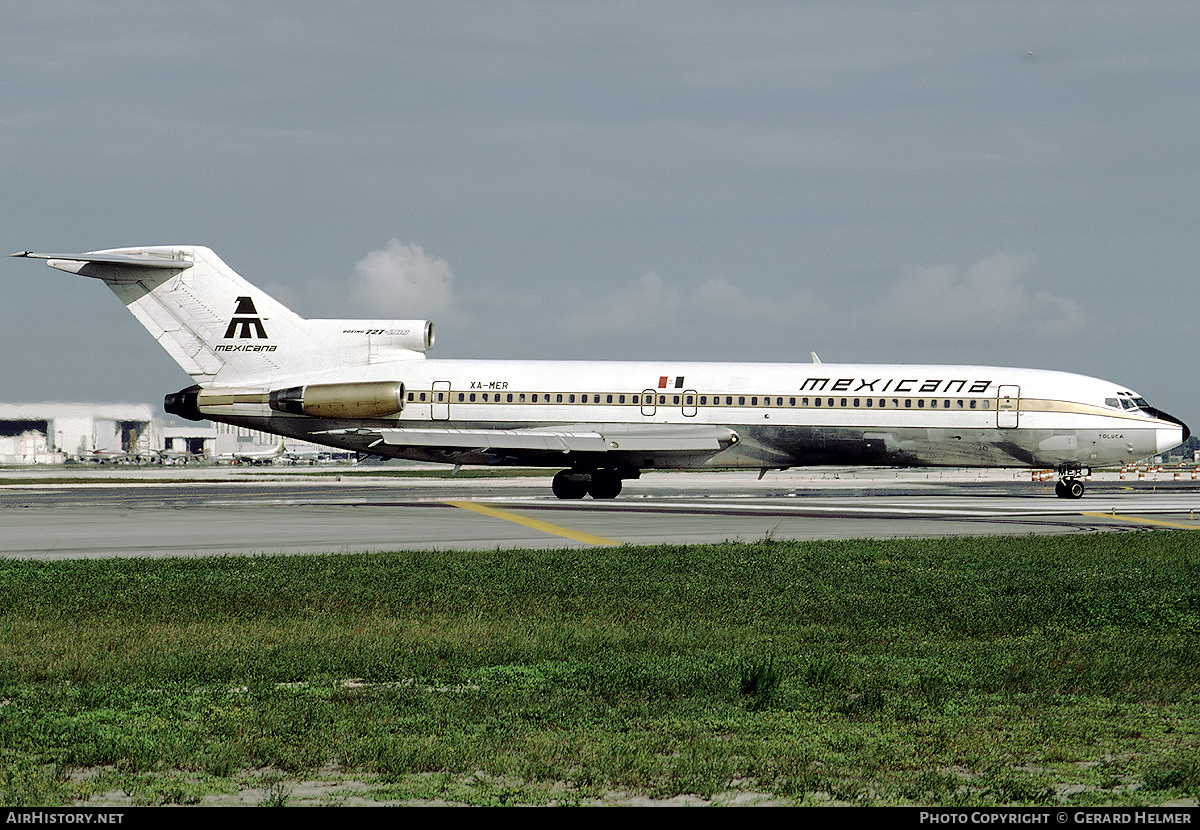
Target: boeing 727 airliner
365 386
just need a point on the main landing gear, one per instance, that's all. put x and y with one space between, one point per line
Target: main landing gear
599 484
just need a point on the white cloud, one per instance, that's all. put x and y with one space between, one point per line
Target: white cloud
652 304
646 302
988 297
726 301
403 281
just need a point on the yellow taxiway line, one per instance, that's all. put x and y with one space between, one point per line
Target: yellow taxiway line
1140 521
545 527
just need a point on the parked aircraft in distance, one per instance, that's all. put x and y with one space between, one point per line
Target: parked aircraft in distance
301 456
365 386
106 456
265 455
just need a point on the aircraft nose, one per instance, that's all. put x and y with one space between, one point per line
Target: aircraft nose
1168 438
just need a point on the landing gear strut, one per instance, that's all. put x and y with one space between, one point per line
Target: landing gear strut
599 484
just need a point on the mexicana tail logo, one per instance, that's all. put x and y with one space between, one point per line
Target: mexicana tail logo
245 322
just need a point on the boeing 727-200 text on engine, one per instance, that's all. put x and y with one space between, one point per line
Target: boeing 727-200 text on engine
365 386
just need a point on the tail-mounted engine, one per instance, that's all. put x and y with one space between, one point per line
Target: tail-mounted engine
361 342
365 399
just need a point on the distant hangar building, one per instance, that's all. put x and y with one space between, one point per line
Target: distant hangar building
58 433
52 433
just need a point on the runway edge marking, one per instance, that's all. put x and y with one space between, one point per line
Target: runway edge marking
534 524
1140 521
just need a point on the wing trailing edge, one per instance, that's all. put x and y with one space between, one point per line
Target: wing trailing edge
590 438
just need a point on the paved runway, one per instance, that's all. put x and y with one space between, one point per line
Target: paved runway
238 512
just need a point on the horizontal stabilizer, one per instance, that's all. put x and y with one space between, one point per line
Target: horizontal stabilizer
73 262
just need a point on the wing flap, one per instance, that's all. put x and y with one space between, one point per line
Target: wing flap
592 438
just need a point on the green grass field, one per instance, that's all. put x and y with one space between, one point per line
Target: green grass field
978 671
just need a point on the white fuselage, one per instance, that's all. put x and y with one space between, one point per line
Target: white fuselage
783 414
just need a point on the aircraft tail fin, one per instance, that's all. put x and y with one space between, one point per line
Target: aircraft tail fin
222 330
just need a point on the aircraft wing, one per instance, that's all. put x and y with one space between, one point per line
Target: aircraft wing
685 439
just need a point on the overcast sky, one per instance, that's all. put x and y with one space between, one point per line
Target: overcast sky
1006 183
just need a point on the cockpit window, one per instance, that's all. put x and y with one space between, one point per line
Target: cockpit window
1113 402
1128 401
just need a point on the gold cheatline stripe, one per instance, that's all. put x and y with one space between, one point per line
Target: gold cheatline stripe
1024 405
1140 521
586 538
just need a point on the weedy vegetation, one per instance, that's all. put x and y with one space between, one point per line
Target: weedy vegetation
979 671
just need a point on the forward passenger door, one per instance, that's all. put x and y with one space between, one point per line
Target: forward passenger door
1008 407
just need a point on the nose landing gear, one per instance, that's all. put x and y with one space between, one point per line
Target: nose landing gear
1069 487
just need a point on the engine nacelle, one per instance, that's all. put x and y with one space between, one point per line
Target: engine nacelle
185 403
374 341
365 399
386 335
